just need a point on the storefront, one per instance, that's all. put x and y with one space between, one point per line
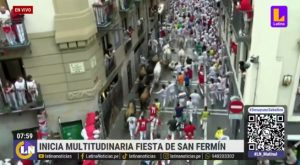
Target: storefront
110 102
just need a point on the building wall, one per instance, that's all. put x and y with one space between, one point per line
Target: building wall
61 35
43 11
278 56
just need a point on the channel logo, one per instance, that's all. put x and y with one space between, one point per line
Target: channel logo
25 149
279 16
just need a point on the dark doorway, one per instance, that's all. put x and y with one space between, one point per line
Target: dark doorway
12 69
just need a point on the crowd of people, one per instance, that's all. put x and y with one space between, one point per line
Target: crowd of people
19 93
193 33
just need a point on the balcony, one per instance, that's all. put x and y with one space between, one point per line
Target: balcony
11 103
104 13
125 6
13 34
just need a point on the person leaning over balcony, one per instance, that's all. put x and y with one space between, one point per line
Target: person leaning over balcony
10 95
32 88
20 88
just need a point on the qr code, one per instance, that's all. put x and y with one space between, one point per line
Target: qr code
265 132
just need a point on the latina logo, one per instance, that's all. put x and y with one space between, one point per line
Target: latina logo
24 150
279 16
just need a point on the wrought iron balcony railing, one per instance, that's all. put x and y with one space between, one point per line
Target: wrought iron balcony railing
104 13
125 5
12 103
13 34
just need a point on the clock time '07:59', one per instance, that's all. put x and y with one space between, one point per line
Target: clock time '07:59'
24 136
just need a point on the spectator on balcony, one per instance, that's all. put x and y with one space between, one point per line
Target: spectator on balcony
4 15
20 89
10 95
5 21
32 88
17 26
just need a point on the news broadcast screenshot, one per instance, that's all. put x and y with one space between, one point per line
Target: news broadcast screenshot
149 82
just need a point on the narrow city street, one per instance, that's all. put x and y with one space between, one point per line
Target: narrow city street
218 118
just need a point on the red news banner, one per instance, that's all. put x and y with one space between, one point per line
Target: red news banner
23 9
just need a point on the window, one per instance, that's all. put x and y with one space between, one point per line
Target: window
11 69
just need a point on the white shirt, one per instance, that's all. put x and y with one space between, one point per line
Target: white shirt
226 92
162 92
195 97
132 122
31 84
5 16
171 88
189 104
219 86
154 123
178 68
20 85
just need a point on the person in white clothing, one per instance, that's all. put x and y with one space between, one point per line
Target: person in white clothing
20 89
155 122
10 95
220 90
195 98
5 21
226 96
162 95
171 90
212 91
132 125
154 45
190 108
4 15
32 88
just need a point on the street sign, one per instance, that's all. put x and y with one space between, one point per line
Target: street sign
236 106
